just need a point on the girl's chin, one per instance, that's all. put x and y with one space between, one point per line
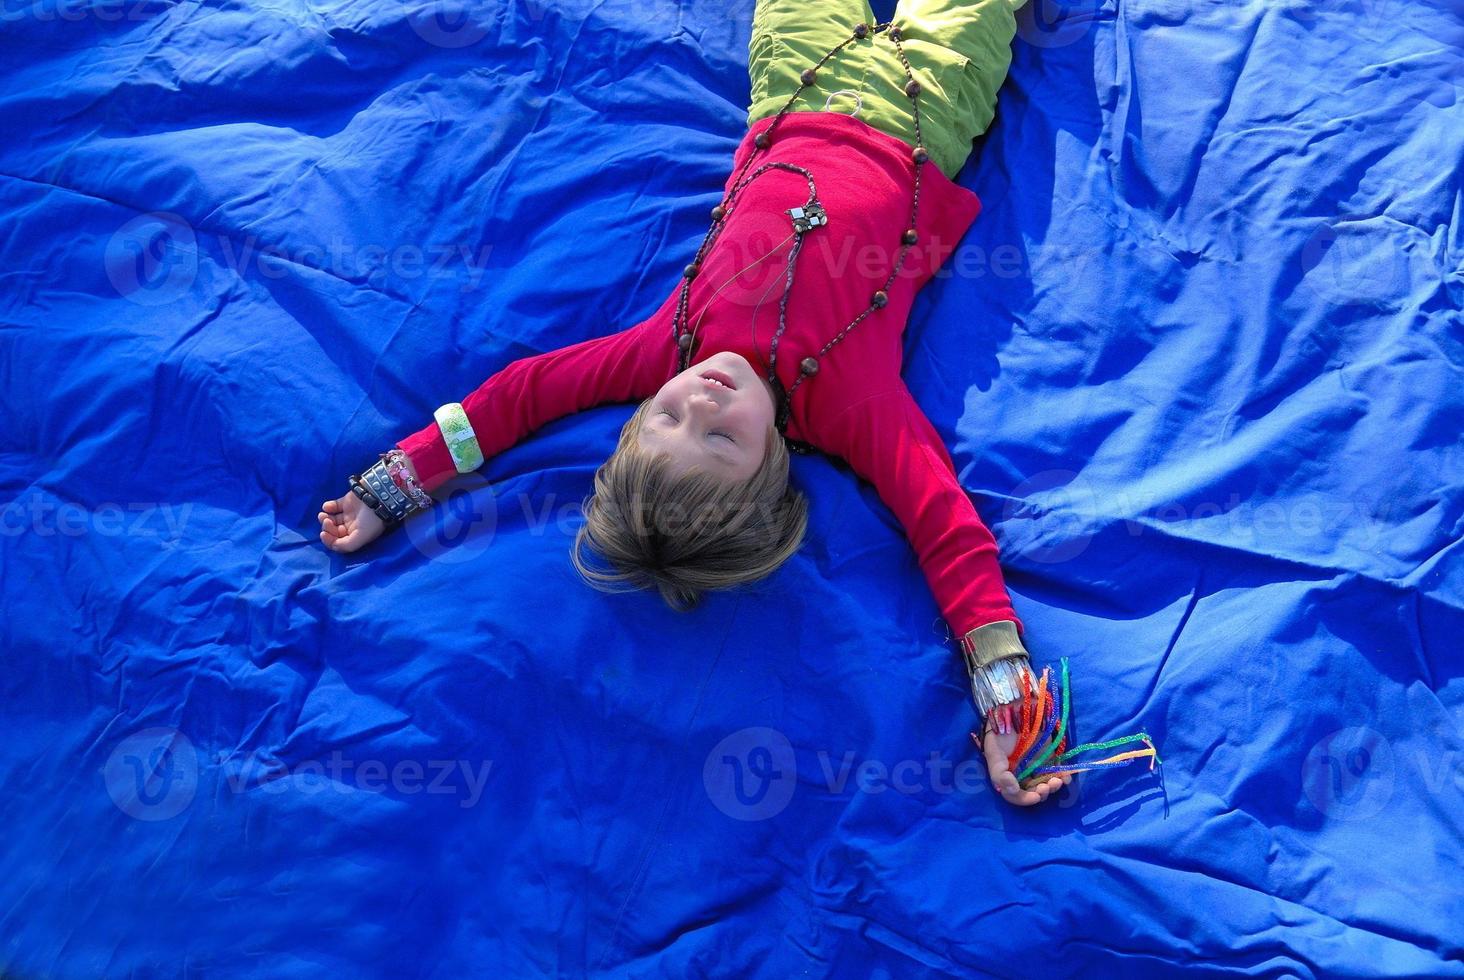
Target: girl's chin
728 357
729 361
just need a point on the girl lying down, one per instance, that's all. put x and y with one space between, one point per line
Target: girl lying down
775 341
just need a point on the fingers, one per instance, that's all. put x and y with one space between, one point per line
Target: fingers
1007 788
1010 790
333 526
340 542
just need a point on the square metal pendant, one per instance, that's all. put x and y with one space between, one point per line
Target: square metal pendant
808 217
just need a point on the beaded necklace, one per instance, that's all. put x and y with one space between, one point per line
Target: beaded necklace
811 215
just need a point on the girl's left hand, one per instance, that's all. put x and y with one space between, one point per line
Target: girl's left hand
997 745
347 524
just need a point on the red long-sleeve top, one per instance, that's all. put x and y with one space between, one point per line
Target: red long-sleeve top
857 407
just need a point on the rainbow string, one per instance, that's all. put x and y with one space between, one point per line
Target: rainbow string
1043 726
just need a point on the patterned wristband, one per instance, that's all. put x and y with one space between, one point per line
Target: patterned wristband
457 432
401 474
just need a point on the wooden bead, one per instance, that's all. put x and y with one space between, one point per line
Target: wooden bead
691 270
808 77
920 155
895 34
684 341
761 141
809 365
910 237
912 88
879 299
718 213
861 30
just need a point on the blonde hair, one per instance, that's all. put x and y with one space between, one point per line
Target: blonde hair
688 534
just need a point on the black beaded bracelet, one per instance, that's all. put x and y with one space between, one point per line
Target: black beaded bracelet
360 489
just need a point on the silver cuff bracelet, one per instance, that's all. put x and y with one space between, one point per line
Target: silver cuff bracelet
995 661
1000 683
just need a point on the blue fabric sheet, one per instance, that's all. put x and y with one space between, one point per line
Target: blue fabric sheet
1199 363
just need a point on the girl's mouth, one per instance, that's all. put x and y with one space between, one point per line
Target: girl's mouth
718 378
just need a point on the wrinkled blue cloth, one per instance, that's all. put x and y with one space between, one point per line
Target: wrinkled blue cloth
1199 363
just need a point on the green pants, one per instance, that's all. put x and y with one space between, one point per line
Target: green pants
958 51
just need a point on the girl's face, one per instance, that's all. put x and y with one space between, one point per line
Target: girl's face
715 414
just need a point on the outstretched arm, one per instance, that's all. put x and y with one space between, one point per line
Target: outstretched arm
533 391
528 393
887 439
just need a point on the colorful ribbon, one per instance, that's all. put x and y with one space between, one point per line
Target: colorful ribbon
1043 727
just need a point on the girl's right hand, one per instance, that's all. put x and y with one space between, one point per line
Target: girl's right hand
347 524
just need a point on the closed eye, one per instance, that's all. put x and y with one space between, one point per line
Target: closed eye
722 434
